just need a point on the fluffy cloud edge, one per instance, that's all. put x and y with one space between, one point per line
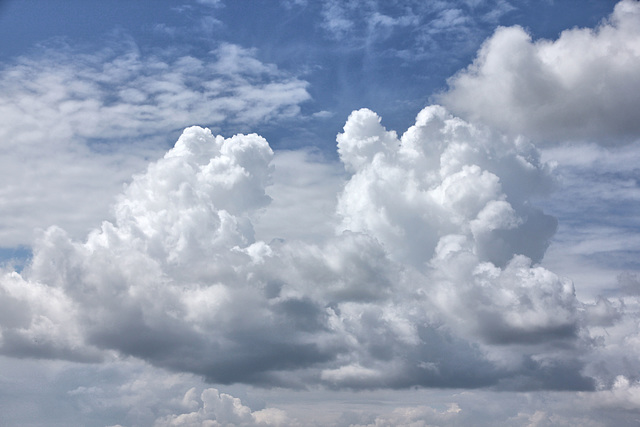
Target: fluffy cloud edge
577 87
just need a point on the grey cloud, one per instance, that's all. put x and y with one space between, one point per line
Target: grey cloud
550 375
131 393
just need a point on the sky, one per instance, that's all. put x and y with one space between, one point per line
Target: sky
319 213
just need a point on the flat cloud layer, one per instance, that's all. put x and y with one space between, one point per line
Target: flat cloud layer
431 278
581 86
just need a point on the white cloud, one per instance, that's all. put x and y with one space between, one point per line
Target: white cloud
579 87
322 114
443 177
624 394
221 409
453 200
40 321
335 20
74 126
410 291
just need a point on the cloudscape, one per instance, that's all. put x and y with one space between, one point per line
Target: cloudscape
327 213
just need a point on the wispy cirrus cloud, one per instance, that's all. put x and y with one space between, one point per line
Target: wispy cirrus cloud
455 26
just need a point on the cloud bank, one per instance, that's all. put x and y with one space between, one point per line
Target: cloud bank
581 86
430 279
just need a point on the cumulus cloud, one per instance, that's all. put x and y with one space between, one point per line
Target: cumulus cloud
624 394
453 200
444 179
432 276
580 86
101 116
221 409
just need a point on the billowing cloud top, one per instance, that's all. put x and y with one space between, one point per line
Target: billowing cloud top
581 86
431 279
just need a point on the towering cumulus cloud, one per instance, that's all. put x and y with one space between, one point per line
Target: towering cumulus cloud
447 178
452 200
431 279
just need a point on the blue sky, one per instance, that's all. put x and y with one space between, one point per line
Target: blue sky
296 212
